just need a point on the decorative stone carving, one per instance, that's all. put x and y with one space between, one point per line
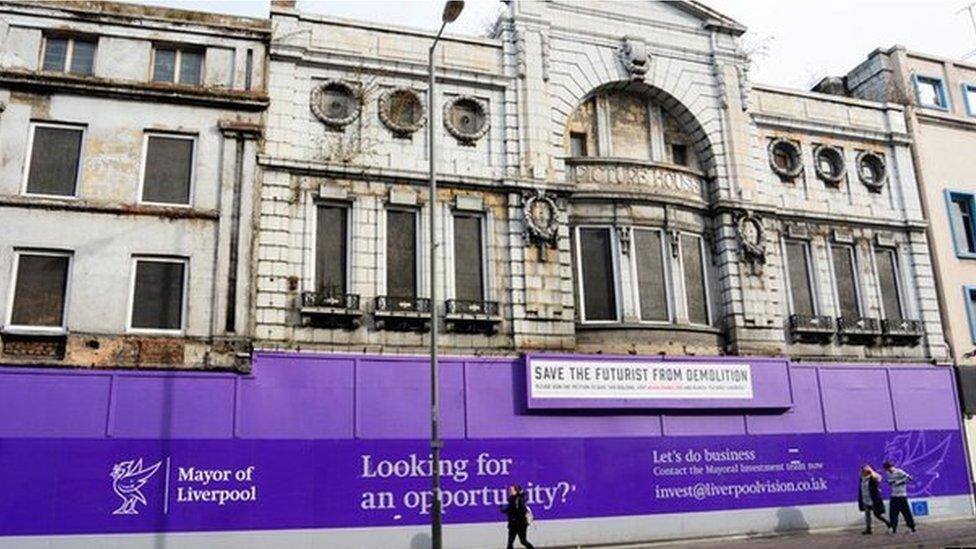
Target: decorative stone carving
752 239
871 170
640 176
829 163
466 118
402 111
720 84
540 216
544 37
745 88
336 103
634 57
519 50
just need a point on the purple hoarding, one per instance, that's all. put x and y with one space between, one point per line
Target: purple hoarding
322 441
62 486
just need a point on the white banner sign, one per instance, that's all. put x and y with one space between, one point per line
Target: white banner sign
624 379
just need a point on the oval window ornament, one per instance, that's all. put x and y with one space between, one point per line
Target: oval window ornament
784 158
402 111
466 119
336 103
872 171
829 163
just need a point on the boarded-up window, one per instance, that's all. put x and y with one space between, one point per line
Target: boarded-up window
845 277
469 277
169 169
651 275
596 263
798 264
401 253
40 290
157 296
888 282
629 126
330 249
55 154
694 268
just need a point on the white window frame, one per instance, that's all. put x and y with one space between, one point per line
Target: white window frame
615 263
811 275
705 276
177 63
313 261
666 260
899 285
69 53
184 305
855 266
485 262
19 328
418 255
147 134
30 153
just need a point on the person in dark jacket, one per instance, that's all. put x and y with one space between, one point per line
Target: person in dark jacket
869 497
518 520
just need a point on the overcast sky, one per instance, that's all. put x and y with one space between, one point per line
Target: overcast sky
794 41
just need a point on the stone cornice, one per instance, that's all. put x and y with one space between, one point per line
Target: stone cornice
809 127
726 206
105 207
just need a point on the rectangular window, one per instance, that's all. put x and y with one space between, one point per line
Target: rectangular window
40 286
74 55
692 261
930 92
178 66
969 298
969 95
469 269
887 264
962 207
54 160
157 294
169 169
577 144
401 253
798 270
331 249
598 274
651 275
845 278
679 154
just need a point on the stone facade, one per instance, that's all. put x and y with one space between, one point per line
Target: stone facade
640 125
88 68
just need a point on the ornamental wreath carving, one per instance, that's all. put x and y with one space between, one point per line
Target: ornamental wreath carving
336 103
466 118
752 238
402 111
541 217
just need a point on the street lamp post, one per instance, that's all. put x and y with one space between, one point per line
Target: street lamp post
452 8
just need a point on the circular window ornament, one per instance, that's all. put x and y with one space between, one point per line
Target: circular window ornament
336 103
466 118
541 218
829 162
784 158
402 111
871 170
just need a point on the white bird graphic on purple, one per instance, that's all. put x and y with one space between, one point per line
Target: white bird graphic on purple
127 478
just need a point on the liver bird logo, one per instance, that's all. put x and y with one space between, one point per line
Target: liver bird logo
127 478
920 457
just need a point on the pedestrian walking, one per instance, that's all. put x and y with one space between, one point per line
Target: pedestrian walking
898 505
869 498
519 517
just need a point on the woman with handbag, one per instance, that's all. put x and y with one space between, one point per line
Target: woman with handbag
869 498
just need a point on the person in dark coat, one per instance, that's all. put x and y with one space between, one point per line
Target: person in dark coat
869 497
518 520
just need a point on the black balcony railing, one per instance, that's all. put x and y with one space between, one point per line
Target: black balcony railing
902 329
811 327
463 307
330 300
858 326
394 304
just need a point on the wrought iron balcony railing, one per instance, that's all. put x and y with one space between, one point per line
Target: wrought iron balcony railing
394 304
817 327
330 300
331 310
858 326
472 307
902 328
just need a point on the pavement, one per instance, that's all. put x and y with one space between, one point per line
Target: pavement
932 534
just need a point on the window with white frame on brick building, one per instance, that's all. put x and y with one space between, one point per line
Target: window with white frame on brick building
158 294
55 159
40 286
168 171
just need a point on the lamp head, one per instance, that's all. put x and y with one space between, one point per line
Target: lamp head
452 9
